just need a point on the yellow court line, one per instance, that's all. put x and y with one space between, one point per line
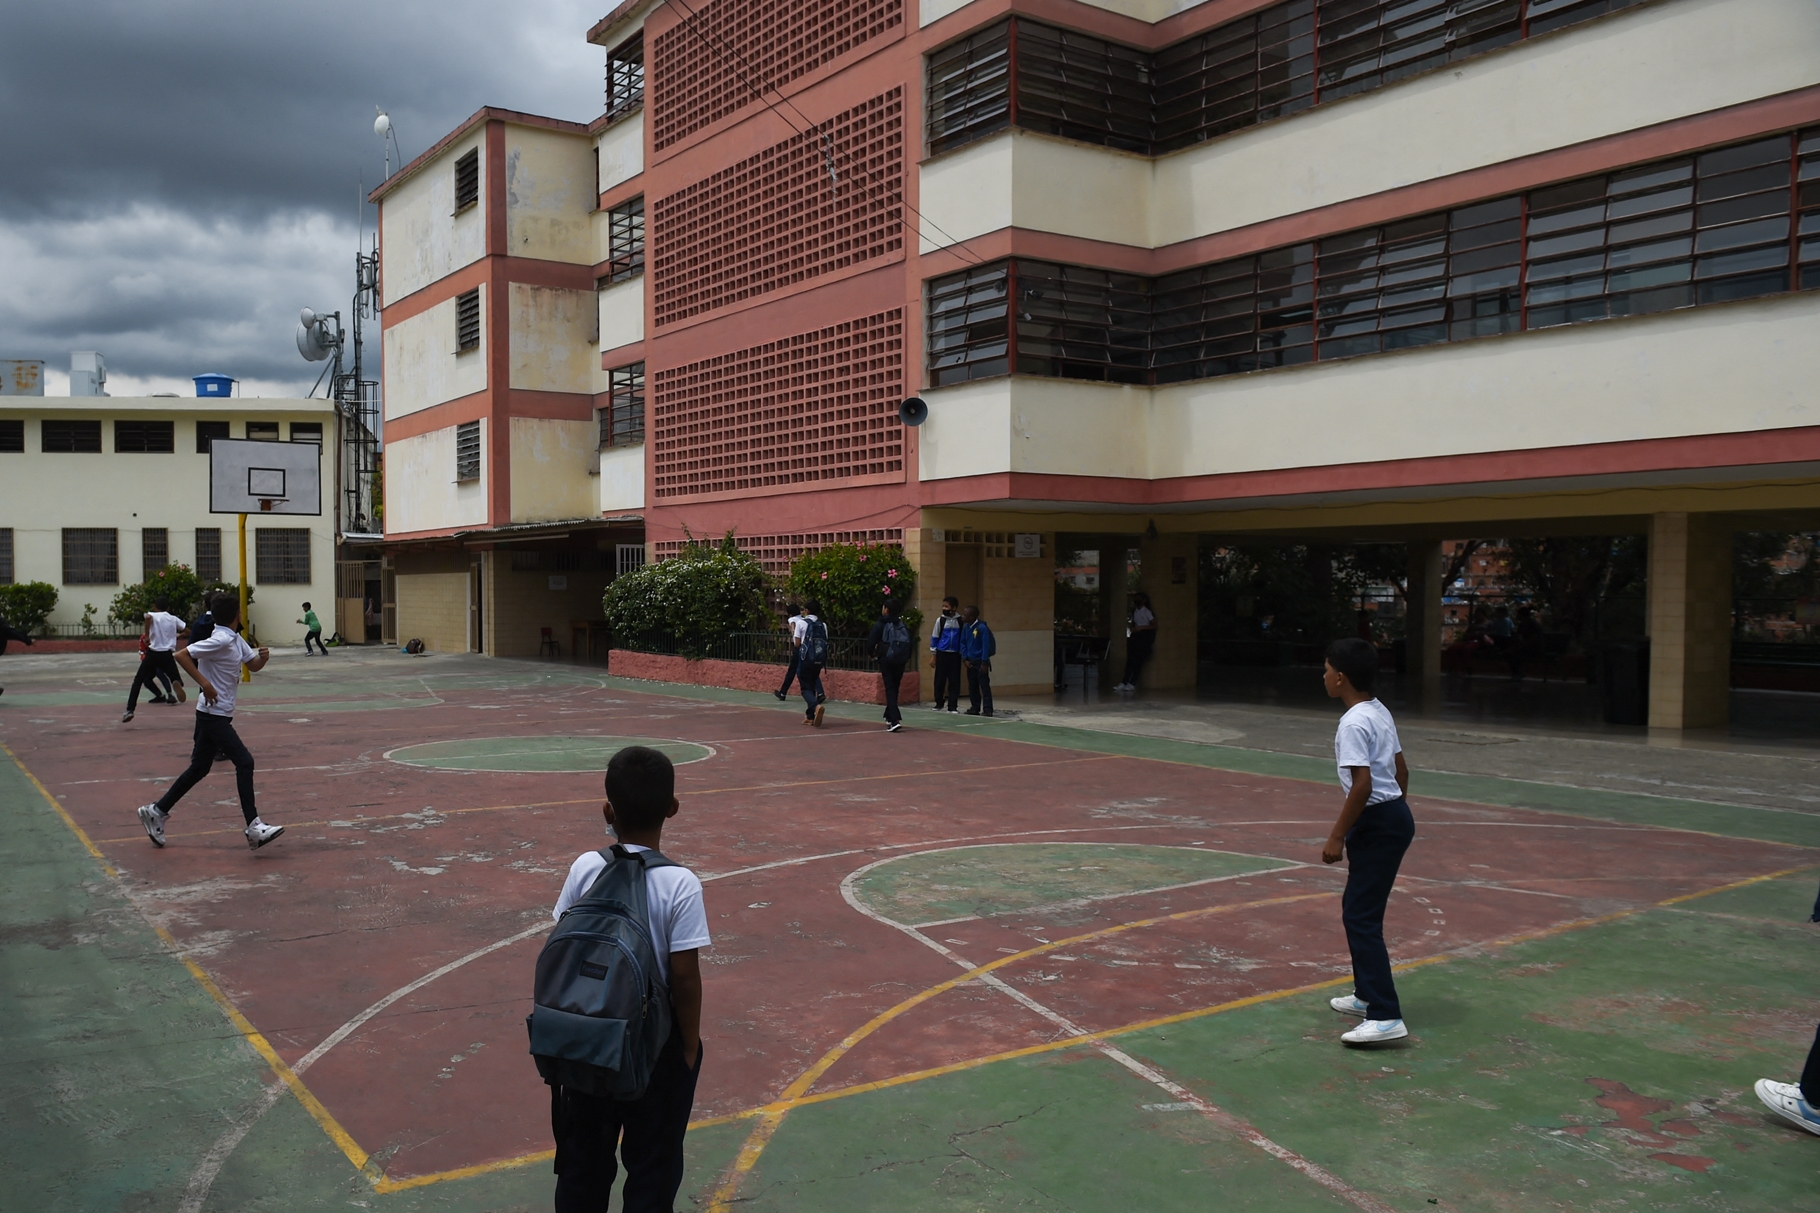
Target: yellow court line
81 834
549 804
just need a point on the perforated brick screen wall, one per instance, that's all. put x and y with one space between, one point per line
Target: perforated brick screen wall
719 60
776 552
819 408
778 218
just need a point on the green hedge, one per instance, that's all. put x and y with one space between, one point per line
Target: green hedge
28 605
175 582
692 601
852 581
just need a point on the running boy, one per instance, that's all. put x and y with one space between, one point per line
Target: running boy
215 665
313 631
1374 830
161 633
648 1132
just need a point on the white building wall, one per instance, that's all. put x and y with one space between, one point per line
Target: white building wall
1639 68
41 493
423 240
622 153
553 345
622 480
550 458
550 195
421 492
1720 369
422 365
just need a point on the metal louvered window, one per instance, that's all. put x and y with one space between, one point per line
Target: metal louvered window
625 241
145 437
69 437
154 549
467 180
467 320
1737 222
91 556
626 77
1268 64
207 432
208 553
281 555
622 422
6 555
12 435
467 451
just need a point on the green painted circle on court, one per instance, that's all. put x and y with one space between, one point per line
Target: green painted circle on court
953 884
546 754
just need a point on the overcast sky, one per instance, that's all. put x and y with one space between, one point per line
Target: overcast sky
179 177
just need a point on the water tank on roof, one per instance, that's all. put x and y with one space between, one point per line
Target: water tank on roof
214 385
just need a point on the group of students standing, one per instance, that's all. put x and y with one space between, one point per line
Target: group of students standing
959 638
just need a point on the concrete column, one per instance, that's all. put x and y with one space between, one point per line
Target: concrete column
1690 621
1017 600
1422 623
1170 578
1112 606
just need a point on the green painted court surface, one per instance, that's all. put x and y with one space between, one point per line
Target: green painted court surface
972 966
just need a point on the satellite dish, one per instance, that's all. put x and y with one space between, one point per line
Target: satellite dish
913 412
382 124
308 317
314 340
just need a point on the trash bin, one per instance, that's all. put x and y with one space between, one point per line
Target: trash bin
1624 682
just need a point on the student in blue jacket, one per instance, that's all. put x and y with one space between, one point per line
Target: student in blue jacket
977 648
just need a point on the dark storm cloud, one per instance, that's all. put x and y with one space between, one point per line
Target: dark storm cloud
177 178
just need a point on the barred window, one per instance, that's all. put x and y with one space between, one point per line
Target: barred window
154 549
306 431
6 555
207 432
467 320
91 555
145 437
626 76
625 241
467 451
1268 64
208 553
628 557
467 180
70 437
281 555
12 435
622 422
262 431
1678 233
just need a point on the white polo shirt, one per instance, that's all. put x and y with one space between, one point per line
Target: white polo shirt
165 626
672 895
1367 737
219 658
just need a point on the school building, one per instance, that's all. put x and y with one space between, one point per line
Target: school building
1334 269
98 492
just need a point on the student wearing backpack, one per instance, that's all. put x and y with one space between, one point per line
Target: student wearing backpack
890 642
794 623
811 656
645 1126
945 655
977 648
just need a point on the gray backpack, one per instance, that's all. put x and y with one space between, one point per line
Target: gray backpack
602 1011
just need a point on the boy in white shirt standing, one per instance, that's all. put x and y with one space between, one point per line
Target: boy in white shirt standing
648 1131
1373 832
215 665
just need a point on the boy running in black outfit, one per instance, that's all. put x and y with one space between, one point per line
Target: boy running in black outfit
160 635
1373 832
215 665
648 1131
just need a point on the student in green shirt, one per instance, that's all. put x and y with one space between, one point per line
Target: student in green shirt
314 625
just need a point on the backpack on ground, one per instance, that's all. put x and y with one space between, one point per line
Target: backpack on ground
602 1011
413 646
815 644
897 643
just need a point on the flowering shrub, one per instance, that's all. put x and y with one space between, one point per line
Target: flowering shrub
852 582
707 591
176 582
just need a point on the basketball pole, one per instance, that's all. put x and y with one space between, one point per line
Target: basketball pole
246 625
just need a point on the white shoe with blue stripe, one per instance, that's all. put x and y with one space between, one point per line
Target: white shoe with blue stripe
1351 1004
1786 1101
1375 1031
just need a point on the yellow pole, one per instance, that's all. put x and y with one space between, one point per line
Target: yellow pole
246 625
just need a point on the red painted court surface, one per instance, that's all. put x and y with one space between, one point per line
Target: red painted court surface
1116 890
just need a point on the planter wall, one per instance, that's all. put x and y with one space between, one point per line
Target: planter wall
852 686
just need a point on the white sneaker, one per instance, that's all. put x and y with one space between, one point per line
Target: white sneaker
1375 1031
894 726
153 818
1786 1101
259 833
1351 1004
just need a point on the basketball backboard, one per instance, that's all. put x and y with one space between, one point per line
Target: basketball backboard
253 477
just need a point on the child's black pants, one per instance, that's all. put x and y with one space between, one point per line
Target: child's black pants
157 661
215 735
647 1131
947 679
1374 851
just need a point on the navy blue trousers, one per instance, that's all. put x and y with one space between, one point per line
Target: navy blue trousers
1374 851
647 1133
1810 1075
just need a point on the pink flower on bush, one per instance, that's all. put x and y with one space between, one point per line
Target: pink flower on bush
890 572
862 558
884 589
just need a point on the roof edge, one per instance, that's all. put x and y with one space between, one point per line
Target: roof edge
486 113
618 17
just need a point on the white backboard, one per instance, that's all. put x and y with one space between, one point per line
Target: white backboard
251 477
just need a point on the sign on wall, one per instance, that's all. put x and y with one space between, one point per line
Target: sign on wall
1029 547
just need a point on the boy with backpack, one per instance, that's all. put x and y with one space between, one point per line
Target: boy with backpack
945 655
811 656
1373 832
794 623
890 642
619 981
977 649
